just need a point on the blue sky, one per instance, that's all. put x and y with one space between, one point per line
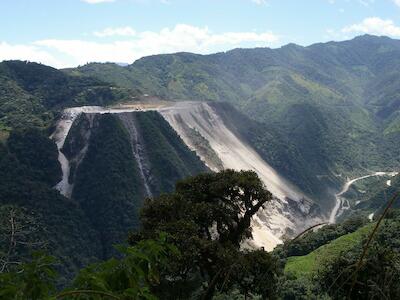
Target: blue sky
67 33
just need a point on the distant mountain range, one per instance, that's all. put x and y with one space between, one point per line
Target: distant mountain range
314 112
334 106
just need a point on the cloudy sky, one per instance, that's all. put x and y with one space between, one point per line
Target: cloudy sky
67 33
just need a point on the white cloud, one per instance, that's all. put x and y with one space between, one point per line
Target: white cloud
27 52
117 31
366 2
397 2
374 25
97 1
362 2
259 2
168 40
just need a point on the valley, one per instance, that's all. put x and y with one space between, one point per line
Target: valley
184 117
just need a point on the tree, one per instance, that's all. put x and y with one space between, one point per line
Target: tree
30 280
207 218
19 235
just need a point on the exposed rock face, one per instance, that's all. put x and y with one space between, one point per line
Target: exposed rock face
77 143
138 149
203 131
290 213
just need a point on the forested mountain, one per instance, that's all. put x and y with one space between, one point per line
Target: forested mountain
336 104
108 189
31 93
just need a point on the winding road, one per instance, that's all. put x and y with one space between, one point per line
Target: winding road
337 210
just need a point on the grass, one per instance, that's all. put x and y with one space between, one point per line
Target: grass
309 264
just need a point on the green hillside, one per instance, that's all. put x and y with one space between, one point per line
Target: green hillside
43 219
336 103
108 189
309 265
31 93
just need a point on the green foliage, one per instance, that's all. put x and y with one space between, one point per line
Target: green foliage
303 288
376 199
322 110
255 273
30 93
32 280
46 220
130 277
312 240
107 184
109 177
328 272
20 233
379 273
207 217
310 264
38 153
280 151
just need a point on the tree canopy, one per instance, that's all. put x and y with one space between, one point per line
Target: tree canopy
207 218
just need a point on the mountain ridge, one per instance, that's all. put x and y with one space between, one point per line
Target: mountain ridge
337 103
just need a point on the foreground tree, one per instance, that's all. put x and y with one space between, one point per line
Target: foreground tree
207 218
127 278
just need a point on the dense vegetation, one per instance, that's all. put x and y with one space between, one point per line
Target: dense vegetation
281 152
37 215
107 184
189 259
108 191
330 271
129 277
311 240
375 198
189 248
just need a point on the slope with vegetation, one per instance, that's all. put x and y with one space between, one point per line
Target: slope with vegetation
33 214
108 183
108 189
356 259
